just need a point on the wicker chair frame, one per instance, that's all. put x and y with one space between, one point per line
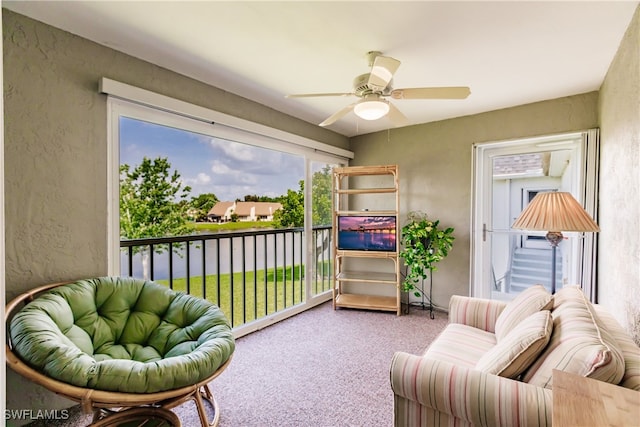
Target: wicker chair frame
106 404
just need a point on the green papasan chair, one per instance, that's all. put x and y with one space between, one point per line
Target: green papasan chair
118 344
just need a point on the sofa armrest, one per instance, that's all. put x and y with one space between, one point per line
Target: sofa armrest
477 312
473 396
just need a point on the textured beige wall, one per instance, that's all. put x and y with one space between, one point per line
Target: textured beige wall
619 238
56 151
434 162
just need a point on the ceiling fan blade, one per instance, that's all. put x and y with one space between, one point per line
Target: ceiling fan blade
382 71
336 116
309 95
396 117
453 92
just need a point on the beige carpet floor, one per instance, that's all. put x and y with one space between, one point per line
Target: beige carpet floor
321 368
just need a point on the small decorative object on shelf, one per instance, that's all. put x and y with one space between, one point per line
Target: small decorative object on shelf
424 244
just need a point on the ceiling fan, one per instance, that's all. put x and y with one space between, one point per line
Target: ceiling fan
375 86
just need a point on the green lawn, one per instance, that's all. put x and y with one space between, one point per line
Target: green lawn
261 293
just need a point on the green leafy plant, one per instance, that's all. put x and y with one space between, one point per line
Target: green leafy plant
152 204
424 244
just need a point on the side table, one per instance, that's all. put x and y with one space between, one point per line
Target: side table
580 401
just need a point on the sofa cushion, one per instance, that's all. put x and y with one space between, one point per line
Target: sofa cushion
529 301
579 344
461 344
513 354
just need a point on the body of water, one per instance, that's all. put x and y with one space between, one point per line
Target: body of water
366 241
224 255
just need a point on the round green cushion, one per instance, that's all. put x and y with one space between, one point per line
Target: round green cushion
122 334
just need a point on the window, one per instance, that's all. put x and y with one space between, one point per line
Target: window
251 159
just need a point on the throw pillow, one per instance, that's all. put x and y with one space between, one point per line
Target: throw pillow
629 349
529 301
580 344
513 354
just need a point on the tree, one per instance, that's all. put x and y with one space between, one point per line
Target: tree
321 196
292 212
268 199
321 183
203 204
152 203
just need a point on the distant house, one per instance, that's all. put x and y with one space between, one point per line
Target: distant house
220 212
245 211
263 211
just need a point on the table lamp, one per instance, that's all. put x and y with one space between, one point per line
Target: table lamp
555 212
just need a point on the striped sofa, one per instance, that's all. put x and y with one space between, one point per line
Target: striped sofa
492 365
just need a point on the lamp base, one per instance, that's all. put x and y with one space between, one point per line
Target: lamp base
554 238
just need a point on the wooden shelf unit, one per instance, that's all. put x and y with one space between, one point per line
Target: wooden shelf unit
344 194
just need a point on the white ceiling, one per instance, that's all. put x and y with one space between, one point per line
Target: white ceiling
509 52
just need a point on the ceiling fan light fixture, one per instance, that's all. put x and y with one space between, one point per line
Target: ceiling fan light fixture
374 86
371 109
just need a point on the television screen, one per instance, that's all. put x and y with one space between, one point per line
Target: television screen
367 233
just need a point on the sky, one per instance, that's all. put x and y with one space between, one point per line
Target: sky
367 222
228 169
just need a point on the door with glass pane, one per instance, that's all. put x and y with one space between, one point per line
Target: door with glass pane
507 175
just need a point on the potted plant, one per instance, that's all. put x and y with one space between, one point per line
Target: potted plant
424 244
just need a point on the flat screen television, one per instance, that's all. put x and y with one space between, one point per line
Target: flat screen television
367 233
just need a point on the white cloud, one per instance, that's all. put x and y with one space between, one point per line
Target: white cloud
236 151
200 179
219 168
203 178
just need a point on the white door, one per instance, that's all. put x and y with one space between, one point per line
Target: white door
507 175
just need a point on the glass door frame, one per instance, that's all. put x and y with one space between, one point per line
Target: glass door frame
583 186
